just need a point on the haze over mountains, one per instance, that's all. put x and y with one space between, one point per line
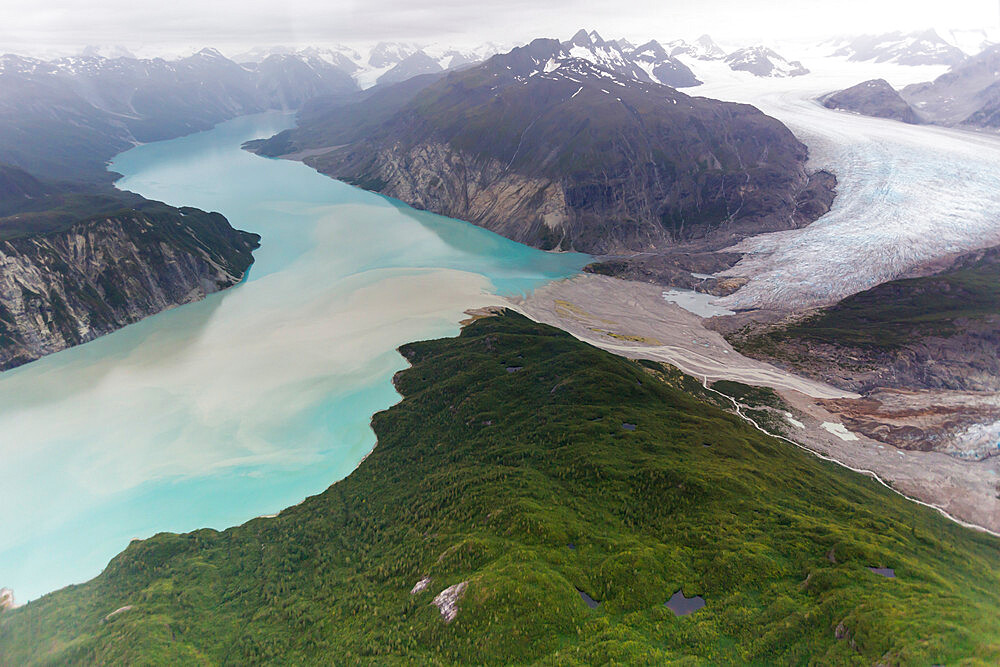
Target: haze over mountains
967 95
920 48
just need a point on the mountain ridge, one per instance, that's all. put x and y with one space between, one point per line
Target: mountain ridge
561 152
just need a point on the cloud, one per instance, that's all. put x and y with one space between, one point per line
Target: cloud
233 23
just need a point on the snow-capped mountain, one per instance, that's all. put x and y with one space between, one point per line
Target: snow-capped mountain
765 62
342 57
388 54
653 58
590 46
703 48
918 48
649 63
259 53
413 65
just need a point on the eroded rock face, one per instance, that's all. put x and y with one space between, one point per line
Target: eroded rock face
447 600
968 94
420 586
965 425
68 287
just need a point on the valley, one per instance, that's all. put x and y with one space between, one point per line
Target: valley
805 448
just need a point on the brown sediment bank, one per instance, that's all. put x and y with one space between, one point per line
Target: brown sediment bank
633 320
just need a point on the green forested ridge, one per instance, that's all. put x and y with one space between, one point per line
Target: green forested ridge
488 476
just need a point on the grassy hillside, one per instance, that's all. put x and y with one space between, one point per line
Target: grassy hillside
509 465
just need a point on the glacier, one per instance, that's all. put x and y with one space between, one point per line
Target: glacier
907 195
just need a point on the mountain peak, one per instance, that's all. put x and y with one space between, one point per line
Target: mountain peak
584 38
209 52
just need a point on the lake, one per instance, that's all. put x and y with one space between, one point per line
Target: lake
245 403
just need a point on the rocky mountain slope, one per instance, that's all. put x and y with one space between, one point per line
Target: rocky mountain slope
935 332
660 67
76 265
968 94
873 98
547 517
558 151
924 351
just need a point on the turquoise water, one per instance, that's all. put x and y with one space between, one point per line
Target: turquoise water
244 403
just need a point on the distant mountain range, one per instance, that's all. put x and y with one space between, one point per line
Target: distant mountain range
574 145
917 48
65 118
385 62
765 62
967 95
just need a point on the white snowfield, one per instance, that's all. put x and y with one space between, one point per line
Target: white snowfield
906 194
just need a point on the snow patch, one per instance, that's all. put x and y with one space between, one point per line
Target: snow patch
839 430
795 422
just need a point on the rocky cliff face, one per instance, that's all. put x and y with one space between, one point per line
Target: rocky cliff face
72 285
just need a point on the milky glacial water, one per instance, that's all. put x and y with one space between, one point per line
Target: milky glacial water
699 303
245 403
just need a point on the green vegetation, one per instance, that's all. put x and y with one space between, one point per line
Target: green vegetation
761 404
748 394
486 476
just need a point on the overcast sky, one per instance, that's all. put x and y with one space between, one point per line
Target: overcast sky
177 25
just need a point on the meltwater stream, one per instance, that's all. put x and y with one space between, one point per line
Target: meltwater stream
245 403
